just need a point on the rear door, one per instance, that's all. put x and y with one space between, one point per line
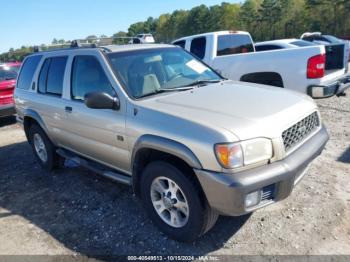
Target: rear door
48 100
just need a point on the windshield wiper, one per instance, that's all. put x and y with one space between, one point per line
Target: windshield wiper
164 90
203 82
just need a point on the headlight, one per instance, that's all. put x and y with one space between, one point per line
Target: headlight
244 153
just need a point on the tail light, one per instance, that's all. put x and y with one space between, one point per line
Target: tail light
316 66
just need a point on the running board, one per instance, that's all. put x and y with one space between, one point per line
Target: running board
95 167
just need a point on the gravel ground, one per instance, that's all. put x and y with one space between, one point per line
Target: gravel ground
73 211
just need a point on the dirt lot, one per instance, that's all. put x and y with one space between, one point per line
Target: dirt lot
73 211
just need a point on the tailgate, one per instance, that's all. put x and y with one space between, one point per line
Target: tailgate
334 56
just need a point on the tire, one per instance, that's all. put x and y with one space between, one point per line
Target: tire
38 138
199 217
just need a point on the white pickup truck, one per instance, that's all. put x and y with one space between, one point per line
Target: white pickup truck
232 53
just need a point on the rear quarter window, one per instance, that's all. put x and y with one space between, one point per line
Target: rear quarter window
234 44
28 69
181 43
198 47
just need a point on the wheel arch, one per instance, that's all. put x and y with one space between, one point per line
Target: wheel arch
32 117
149 148
265 78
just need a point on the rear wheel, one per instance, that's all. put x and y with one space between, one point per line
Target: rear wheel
43 148
174 202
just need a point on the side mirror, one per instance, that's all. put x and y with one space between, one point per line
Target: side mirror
101 100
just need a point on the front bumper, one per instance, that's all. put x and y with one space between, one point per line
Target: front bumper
337 87
226 193
7 110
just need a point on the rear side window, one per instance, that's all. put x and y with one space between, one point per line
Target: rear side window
88 76
43 76
28 68
51 76
234 44
181 43
198 47
267 47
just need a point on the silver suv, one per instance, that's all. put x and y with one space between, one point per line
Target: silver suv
192 144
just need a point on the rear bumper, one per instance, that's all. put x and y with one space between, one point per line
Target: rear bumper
7 110
226 193
337 87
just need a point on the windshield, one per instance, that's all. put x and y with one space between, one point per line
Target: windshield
148 71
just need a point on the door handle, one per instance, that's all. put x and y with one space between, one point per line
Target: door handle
68 109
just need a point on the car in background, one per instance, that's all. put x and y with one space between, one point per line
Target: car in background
334 45
8 76
304 69
281 44
142 39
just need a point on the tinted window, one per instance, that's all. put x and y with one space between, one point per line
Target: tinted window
181 43
88 76
198 47
136 41
267 47
51 76
234 44
55 75
28 69
43 76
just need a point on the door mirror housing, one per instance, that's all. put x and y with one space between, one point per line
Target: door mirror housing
101 100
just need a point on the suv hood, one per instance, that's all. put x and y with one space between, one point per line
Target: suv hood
245 109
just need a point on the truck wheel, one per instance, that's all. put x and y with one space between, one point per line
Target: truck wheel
44 150
174 203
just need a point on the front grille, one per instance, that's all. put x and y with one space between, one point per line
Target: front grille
295 134
268 193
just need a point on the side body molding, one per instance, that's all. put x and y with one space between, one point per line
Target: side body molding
167 146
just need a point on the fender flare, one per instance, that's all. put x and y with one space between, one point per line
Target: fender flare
260 78
168 146
34 115
165 145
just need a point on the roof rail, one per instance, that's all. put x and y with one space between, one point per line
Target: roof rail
96 42
78 44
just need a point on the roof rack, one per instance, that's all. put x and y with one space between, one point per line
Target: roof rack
97 42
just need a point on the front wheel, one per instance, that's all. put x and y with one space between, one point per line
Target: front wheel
174 202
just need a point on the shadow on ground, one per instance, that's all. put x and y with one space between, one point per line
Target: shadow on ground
89 214
6 121
345 157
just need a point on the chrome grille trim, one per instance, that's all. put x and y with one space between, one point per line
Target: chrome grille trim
301 130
